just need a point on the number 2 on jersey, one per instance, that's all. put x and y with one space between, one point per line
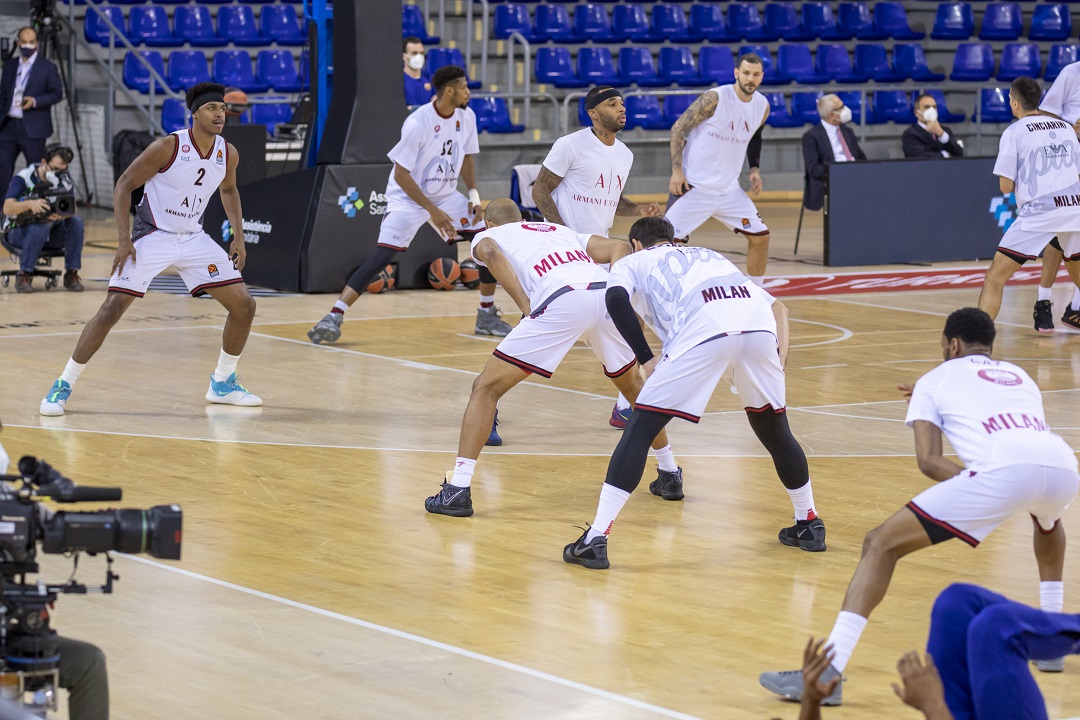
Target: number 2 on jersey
202 173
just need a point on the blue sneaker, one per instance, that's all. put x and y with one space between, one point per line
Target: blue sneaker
493 438
231 392
52 405
619 418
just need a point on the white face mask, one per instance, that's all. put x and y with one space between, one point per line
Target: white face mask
52 178
845 115
929 115
416 62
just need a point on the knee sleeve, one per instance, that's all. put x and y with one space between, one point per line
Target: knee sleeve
367 272
628 460
486 277
772 430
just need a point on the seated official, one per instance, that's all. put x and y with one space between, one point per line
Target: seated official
31 227
831 141
928 138
418 90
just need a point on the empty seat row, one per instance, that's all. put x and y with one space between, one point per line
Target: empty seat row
232 68
493 116
193 25
1002 21
974 62
174 116
707 21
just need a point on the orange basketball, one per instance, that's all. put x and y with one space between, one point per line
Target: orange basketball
470 274
383 281
443 273
236 102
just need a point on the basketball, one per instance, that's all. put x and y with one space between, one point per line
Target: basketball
236 102
443 273
470 274
383 281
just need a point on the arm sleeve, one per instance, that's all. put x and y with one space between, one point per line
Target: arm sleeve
1006 160
922 406
54 90
626 321
560 157
1054 102
15 188
952 146
407 150
753 150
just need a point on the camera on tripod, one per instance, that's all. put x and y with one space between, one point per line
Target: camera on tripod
29 655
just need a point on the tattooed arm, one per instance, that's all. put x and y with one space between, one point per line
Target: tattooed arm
627 206
545 185
701 110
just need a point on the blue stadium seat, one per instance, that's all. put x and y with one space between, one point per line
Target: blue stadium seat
778 19
853 100
553 66
644 111
629 22
676 65
493 116
1060 56
281 24
591 23
438 57
707 20
512 17
796 62
804 107
1019 60
97 31
150 27
954 21
636 66
817 21
596 66
772 77
174 116
873 60
944 114
236 24
893 105
194 25
232 68
994 105
187 68
1001 21
973 62
213 2
744 20
552 22
583 114
909 59
675 106
669 23
1050 22
855 18
834 62
891 18
254 2
717 64
778 112
412 24
270 114
137 76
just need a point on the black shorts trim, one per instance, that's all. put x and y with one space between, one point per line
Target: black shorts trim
531 369
125 291
938 530
1040 527
1015 256
764 408
201 289
392 247
750 234
621 371
664 411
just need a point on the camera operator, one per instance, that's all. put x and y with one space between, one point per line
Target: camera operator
32 222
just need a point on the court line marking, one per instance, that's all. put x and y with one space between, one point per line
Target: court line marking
815 367
911 310
421 640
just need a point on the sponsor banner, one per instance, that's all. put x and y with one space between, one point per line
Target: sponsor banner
895 281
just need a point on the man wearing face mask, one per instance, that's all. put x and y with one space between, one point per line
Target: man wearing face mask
928 138
29 86
829 142
418 89
31 227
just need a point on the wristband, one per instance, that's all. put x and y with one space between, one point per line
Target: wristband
474 196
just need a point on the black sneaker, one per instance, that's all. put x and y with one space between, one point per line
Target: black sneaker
1071 317
493 438
1044 316
667 485
591 555
806 535
450 500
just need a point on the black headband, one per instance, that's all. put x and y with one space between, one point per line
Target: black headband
601 97
207 97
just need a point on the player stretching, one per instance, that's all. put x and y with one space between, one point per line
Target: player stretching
552 274
179 179
708 144
582 180
992 413
437 145
711 319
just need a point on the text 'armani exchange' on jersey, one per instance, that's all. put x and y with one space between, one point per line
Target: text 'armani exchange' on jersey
175 199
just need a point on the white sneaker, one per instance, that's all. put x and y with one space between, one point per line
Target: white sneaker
231 392
52 405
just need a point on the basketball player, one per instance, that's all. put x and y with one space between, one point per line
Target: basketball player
711 319
581 182
992 414
1037 159
553 276
708 144
437 145
179 179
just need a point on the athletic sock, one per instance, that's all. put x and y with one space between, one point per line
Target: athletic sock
1051 596
611 503
757 279
802 499
463 472
1044 293
339 308
844 637
665 458
226 366
487 301
622 403
72 372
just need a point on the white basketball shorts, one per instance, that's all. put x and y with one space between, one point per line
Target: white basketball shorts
734 208
399 227
202 263
1023 245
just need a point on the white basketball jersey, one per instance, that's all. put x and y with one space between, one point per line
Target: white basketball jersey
688 295
991 412
431 148
594 175
1063 97
1040 154
715 149
545 257
175 199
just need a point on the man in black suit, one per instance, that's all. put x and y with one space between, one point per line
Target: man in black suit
829 142
928 138
29 86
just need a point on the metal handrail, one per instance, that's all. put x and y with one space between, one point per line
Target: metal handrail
485 13
526 52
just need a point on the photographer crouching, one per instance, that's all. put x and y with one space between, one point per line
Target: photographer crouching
39 210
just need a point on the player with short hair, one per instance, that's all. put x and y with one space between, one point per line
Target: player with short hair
712 320
438 142
179 179
1037 160
992 414
708 144
582 182
553 275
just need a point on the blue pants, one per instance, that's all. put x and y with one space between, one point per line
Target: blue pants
32 239
981 643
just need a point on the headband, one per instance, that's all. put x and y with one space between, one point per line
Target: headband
207 97
601 97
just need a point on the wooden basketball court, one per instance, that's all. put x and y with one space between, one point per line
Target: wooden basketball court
314 585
